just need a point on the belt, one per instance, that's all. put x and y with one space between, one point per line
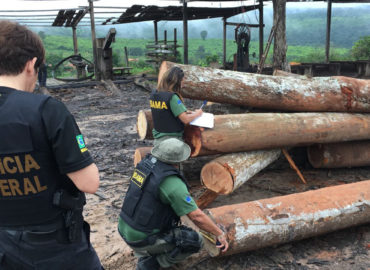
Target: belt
34 236
39 236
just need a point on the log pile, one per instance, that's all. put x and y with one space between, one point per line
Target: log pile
328 115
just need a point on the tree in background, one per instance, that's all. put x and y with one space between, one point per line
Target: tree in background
42 35
203 34
361 49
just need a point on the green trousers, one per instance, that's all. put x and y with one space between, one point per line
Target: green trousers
162 250
161 139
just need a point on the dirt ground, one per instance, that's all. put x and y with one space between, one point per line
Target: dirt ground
107 119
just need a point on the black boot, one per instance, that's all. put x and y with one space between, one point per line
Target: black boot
147 263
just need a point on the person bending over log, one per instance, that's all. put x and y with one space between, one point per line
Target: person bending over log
157 197
168 110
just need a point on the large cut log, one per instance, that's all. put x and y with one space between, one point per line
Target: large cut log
339 155
228 172
331 94
144 122
282 219
257 131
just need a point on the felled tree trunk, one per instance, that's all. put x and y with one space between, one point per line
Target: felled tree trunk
339 155
282 219
226 173
144 123
257 131
329 94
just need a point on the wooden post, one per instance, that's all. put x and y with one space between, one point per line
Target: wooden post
260 8
75 46
80 72
175 42
335 94
328 28
224 42
93 38
155 32
126 56
185 31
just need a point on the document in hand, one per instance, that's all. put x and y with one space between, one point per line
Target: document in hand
205 120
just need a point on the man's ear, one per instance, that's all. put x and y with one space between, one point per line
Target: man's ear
30 66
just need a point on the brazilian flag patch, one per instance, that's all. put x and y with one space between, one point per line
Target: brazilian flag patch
81 143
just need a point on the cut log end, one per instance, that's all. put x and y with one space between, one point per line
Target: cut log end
142 125
217 178
140 153
192 137
315 154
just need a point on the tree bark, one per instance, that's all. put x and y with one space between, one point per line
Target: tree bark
339 155
257 131
277 220
226 173
325 94
144 123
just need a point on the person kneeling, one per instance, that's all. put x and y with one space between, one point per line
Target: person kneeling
157 197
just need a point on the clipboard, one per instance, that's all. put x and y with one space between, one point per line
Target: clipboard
205 120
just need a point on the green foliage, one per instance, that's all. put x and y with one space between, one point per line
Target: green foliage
201 52
42 35
361 49
203 34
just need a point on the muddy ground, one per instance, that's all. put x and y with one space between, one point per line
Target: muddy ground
108 118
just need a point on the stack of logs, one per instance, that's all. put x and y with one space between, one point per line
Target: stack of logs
329 115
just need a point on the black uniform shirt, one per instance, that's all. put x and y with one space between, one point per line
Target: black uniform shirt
65 137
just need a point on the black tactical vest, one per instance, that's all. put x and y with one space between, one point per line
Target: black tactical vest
142 208
163 119
29 175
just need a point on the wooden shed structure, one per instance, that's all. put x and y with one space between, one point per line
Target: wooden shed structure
180 12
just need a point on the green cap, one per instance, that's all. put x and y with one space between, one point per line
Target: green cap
171 151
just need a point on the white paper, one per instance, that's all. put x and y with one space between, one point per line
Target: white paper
205 120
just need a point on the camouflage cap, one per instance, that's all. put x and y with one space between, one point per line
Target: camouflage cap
171 151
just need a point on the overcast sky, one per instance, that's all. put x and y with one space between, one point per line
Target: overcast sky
66 4
63 4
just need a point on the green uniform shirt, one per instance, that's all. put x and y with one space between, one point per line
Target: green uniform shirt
177 108
172 191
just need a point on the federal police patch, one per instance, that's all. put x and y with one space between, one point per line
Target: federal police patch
179 102
188 199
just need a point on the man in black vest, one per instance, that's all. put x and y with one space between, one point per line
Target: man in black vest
156 199
44 167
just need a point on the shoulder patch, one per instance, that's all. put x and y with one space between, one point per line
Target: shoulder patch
188 199
179 102
81 143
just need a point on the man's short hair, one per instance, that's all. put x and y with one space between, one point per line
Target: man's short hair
18 45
